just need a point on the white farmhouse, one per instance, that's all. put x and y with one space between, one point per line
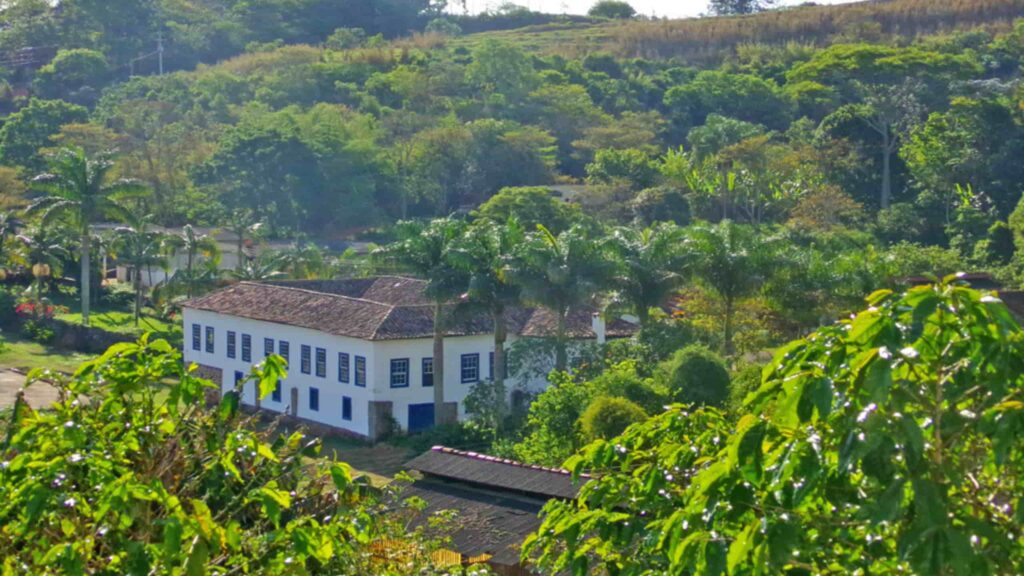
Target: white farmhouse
360 351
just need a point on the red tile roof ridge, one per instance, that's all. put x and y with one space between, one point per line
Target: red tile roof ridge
317 293
495 459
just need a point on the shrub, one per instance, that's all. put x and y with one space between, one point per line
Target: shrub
607 417
142 478
661 204
8 301
120 296
37 331
696 375
745 379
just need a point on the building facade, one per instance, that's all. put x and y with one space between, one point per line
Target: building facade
360 352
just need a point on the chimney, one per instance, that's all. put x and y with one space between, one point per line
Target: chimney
597 323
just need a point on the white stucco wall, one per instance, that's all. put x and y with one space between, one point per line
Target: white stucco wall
378 356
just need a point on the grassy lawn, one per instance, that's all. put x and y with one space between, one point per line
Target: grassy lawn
18 352
122 322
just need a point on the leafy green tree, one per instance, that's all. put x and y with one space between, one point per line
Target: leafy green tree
652 264
720 132
9 226
608 417
78 191
145 476
728 7
72 72
562 273
503 71
29 129
530 206
890 442
485 253
741 96
631 165
44 245
552 422
243 225
733 261
696 375
443 27
661 204
426 250
612 9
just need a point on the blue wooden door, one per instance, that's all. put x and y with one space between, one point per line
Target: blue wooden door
421 417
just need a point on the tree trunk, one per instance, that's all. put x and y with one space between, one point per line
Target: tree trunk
500 335
440 413
643 314
886 196
728 327
137 278
561 354
86 249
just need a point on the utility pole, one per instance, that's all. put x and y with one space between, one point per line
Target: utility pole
160 52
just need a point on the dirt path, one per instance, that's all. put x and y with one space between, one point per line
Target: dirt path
39 395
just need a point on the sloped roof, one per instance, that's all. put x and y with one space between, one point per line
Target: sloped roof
380 308
496 473
1014 300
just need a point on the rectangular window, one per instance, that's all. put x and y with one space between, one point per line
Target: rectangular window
196 345
400 373
490 365
360 371
232 337
343 368
246 348
305 359
209 340
428 372
321 363
238 377
276 394
314 399
284 350
268 347
470 368
346 408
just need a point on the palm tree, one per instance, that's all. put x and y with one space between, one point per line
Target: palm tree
652 264
243 224
78 192
41 246
266 266
485 254
196 247
140 249
305 261
562 273
734 262
426 251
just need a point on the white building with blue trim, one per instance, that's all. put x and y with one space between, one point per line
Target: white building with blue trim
360 351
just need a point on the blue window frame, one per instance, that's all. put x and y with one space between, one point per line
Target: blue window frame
305 359
360 371
346 408
428 372
268 347
196 344
344 370
284 350
232 342
238 378
246 348
400 373
314 399
209 340
470 368
276 394
321 363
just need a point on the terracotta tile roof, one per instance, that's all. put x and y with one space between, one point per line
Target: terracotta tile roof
380 308
496 473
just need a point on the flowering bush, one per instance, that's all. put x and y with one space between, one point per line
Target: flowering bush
42 309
